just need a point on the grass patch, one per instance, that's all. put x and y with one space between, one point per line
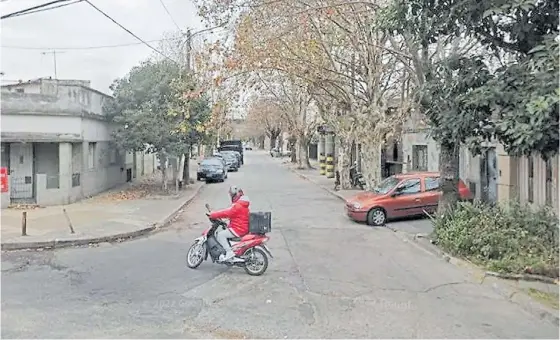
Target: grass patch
507 238
549 299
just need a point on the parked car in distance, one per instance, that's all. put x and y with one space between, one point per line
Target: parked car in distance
399 195
238 157
220 157
248 146
231 159
212 169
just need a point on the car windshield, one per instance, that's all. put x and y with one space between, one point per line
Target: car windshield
386 185
211 162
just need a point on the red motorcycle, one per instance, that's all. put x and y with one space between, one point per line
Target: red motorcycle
251 248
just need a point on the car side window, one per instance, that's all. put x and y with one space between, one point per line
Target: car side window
410 186
432 183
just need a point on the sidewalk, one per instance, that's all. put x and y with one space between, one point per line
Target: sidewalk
128 211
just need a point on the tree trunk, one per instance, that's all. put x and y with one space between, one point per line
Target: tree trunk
274 134
162 157
343 163
186 171
292 147
303 152
449 177
371 163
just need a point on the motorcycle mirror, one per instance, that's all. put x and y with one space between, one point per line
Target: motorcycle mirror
207 207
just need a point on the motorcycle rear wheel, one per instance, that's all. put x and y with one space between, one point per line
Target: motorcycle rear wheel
251 257
195 255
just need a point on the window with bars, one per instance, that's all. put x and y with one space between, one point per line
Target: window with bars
420 158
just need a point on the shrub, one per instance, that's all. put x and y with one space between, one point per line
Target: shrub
506 238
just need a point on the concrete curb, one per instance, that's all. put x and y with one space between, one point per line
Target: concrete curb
330 191
55 244
483 277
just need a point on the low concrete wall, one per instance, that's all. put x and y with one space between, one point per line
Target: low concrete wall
46 196
94 182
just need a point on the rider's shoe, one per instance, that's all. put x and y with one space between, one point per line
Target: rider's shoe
226 257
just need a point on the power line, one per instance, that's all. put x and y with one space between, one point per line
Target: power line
128 31
84 47
48 8
78 48
170 16
34 8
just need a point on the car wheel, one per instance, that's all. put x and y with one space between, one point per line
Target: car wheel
376 217
207 181
198 178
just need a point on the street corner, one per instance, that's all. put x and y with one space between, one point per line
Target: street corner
101 231
271 302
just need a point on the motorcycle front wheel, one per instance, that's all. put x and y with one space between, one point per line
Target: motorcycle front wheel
195 255
256 261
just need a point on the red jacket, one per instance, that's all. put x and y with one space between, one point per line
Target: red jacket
238 215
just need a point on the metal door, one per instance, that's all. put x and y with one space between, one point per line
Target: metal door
21 171
419 158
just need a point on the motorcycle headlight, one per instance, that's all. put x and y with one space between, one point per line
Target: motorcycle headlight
356 206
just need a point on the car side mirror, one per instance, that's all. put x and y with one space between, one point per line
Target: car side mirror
397 192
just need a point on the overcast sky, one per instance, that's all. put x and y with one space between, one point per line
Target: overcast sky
78 26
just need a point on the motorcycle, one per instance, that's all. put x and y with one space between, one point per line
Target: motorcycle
356 177
251 249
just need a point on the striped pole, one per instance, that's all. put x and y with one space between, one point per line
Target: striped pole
322 165
330 166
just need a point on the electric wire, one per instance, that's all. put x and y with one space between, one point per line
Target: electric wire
47 9
37 8
129 32
85 47
168 13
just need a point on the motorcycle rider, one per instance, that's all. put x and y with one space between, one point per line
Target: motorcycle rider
238 215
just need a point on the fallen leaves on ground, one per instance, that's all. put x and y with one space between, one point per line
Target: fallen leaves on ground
24 206
147 186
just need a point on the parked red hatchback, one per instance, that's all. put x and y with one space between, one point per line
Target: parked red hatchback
399 196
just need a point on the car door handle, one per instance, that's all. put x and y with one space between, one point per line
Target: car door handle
416 200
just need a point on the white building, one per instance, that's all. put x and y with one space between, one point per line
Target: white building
57 144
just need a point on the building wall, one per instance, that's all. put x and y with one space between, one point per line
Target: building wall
530 187
513 173
41 124
76 92
409 140
469 164
74 156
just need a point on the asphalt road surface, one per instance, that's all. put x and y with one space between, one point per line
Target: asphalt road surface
331 278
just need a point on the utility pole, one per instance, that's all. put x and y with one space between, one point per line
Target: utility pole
189 49
53 52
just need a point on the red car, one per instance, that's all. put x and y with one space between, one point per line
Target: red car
399 196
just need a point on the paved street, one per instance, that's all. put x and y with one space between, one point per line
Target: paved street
330 278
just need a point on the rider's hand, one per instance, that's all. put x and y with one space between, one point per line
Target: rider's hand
208 214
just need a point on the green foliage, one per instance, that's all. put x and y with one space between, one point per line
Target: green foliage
508 238
524 98
154 108
522 95
445 100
